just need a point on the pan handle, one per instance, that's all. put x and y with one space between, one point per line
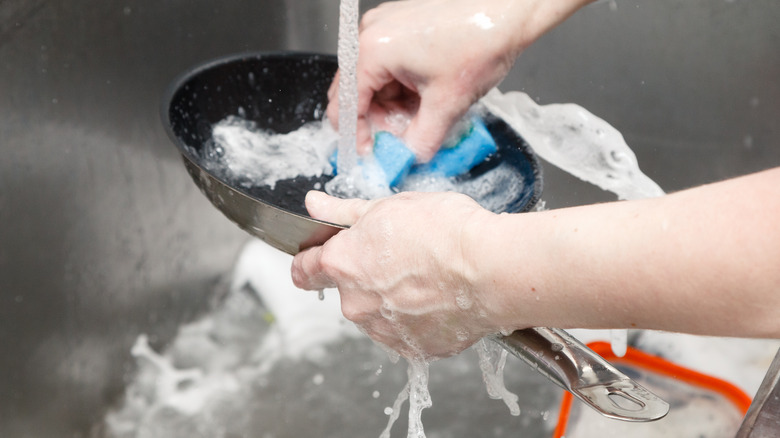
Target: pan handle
576 368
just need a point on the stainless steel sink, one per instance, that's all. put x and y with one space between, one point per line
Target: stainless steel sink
104 237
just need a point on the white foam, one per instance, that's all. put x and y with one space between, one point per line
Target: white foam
249 157
573 139
243 153
494 190
224 351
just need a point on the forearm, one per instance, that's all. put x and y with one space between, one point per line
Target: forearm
535 18
705 260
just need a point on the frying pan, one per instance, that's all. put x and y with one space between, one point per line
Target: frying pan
280 91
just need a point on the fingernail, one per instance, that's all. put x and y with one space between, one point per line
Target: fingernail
315 200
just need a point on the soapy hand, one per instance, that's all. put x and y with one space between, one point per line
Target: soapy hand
423 63
401 269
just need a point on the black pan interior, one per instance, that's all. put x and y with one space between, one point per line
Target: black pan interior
280 92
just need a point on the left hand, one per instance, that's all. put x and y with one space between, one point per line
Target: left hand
402 269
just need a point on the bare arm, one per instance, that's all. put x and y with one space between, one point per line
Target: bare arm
432 273
704 261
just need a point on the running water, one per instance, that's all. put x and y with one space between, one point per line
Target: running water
348 49
351 181
416 391
492 360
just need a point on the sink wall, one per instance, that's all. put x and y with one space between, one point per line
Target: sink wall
104 237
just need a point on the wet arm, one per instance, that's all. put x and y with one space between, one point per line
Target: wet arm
704 260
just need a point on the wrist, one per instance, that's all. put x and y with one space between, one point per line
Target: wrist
500 258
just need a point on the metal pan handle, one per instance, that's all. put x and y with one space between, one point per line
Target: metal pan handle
576 368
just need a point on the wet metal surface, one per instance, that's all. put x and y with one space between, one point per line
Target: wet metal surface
104 236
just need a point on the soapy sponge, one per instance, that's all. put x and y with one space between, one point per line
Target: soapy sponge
393 157
397 161
471 150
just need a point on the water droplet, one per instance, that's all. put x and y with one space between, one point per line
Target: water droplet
747 142
386 312
463 301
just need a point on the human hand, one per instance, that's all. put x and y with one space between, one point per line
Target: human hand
402 269
423 63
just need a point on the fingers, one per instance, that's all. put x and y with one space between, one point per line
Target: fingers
327 208
364 139
368 86
307 272
430 127
360 307
332 111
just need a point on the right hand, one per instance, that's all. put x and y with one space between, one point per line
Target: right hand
428 61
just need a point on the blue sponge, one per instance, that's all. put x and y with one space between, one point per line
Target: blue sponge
397 160
393 157
472 149
390 153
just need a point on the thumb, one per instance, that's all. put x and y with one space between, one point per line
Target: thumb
432 123
335 210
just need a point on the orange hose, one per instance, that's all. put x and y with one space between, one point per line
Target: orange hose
660 366
563 417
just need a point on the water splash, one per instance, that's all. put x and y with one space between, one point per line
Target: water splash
492 359
573 139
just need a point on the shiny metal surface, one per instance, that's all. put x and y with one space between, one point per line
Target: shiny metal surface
277 90
281 229
763 418
576 368
104 235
